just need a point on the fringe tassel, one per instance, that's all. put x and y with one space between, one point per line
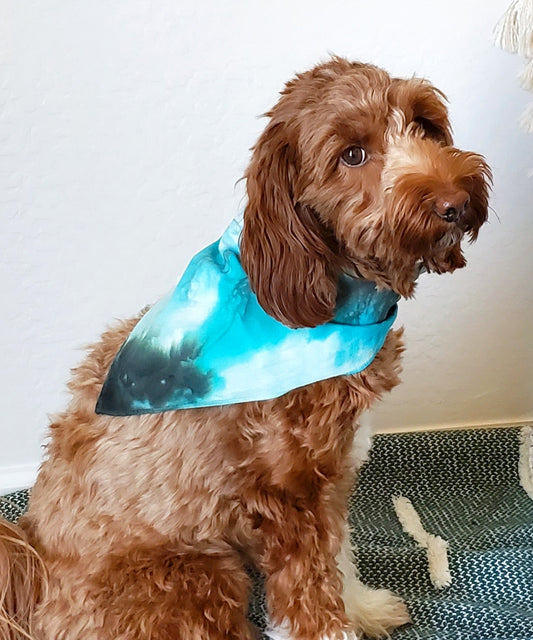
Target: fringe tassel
525 465
526 77
514 31
437 548
526 119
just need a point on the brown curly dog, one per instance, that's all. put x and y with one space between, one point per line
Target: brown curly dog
140 527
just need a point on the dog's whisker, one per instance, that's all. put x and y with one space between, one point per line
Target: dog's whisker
495 213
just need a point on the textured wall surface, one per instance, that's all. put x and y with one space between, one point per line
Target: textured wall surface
124 129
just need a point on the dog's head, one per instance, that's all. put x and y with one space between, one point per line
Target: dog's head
355 171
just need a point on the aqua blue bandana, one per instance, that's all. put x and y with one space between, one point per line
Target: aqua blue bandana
210 343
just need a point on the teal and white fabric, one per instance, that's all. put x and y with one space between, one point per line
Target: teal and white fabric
210 343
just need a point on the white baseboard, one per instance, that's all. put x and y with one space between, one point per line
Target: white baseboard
454 427
18 477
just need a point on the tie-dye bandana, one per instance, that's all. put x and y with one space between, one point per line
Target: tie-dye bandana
210 342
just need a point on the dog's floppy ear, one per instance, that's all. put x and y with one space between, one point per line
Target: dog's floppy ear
283 249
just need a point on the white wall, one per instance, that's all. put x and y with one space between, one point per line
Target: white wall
124 127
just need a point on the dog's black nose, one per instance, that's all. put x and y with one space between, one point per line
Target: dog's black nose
450 206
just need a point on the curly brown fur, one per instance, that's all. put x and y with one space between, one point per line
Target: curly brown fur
144 522
23 581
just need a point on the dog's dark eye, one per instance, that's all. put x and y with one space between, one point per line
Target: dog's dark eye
354 156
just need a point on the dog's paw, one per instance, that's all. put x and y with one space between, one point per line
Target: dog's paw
375 612
282 632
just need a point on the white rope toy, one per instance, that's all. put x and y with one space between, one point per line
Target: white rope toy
437 548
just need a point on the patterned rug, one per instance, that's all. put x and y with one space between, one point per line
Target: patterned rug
466 488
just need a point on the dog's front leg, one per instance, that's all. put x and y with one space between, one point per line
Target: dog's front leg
373 612
303 583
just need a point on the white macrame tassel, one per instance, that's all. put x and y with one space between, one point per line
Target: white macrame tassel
437 548
526 119
525 465
514 33
526 77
